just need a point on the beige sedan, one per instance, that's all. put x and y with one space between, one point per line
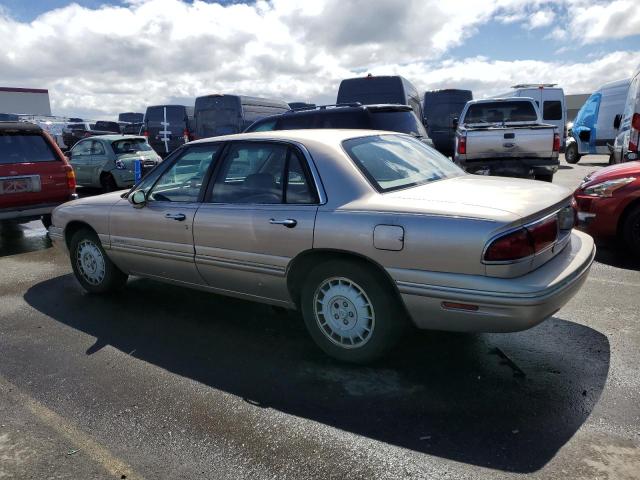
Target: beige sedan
365 232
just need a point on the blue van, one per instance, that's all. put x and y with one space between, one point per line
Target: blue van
593 129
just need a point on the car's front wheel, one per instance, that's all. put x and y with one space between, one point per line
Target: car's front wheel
571 154
350 311
92 267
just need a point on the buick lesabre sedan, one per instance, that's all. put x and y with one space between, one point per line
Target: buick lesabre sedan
365 232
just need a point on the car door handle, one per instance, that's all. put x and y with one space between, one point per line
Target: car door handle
175 216
288 222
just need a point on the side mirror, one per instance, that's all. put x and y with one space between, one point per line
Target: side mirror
138 198
585 135
616 121
454 123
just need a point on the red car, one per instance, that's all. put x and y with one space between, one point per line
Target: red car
608 204
35 176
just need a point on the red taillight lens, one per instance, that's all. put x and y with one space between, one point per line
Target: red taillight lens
635 121
634 134
146 133
71 177
512 246
462 144
556 142
523 242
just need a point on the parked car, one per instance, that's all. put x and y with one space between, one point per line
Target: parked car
374 90
625 146
74 132
441 110
592 131
168 126
131 117
609 204
394 118
360 230
35 176
108 161
550 101
506 137
225 114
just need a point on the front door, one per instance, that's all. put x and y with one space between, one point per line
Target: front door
258 216
80 159
157 239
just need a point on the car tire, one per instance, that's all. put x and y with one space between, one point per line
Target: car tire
631 231
46 221
108 183
92 267
351 311
571 154
544 178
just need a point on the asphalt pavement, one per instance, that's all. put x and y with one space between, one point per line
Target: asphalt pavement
163 382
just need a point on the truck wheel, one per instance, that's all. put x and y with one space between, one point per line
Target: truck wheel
631 231
571 154
350 312
92 267
544 178
108 183
46 221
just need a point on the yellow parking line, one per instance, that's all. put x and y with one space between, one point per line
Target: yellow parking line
80 440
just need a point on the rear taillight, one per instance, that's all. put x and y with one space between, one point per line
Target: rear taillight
462 144
523 242
556 142
185 135
634 134
71 177
146 133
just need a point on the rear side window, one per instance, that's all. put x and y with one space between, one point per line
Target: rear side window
265 126
130 146
22 148
552 110
404 122
293 122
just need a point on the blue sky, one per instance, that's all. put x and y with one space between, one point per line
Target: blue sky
300 49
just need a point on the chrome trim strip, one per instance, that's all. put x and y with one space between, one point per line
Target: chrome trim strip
241 265
425 290
154 252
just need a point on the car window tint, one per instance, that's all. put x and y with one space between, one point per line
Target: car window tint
81 149
266 126
294 122
251 173
183 180
298 186
130 146
552 110
25 149
97 149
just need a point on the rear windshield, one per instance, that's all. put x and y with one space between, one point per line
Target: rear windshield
130 146
404 122
498 112
175 114
108 126
392 162
23 148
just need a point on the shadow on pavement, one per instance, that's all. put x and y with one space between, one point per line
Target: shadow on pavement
22 238
616 255
507 402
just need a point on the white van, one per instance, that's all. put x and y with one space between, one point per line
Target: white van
593 131
625 147
550 101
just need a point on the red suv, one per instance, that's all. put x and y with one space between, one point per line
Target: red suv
609 204
35 177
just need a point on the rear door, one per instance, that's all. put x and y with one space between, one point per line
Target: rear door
99 157
166 125
31 172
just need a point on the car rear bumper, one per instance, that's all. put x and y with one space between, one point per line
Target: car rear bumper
503 305
29 212
512 167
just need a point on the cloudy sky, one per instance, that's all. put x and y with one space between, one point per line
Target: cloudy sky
100 57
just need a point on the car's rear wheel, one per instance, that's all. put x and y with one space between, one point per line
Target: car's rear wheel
91 265
571 154
631 231
350 311
108 183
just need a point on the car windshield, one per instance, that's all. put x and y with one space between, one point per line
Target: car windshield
130 146
403 121
499 112
25 148
391 162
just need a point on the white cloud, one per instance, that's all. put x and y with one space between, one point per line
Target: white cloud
591 22
102 61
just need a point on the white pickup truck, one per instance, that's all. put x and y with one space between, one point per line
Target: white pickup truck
506 137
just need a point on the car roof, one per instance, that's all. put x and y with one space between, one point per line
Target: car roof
20 126
324 135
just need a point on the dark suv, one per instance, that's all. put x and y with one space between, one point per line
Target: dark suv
395 118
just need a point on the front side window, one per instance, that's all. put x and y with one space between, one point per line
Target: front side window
552 110
251 173
392 162
183 180
81 149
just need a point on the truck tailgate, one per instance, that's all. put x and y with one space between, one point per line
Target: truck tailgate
505 142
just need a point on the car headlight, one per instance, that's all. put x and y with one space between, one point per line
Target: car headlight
606 189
